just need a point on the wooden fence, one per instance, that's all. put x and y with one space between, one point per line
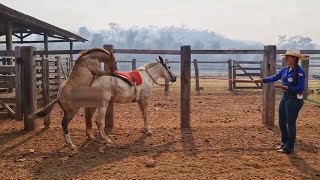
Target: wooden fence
27 78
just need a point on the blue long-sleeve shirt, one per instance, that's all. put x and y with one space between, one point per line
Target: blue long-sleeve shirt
294 79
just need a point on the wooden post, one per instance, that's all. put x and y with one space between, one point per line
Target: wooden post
9 46
68 65
234 74
268 97
185 86
305 67
196 75
109 114
18 82
230 74
134 64
71 48
261 73
166 82
45 88
28 86
58 71
46 44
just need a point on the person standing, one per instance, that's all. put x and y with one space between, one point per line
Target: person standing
293 83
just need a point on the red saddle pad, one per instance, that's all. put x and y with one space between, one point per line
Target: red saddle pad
135 74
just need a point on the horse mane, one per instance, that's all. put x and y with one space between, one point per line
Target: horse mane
146 66
84 53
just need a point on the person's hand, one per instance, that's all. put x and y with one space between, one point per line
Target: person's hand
257 81
279 86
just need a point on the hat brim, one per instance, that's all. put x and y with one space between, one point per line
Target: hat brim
301 57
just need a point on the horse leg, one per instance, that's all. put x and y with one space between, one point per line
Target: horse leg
143 105
88 112
101 122
67 117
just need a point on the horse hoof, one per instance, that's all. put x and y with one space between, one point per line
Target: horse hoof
73 147
149 133
90 137
108 141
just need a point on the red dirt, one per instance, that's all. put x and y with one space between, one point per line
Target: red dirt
227 141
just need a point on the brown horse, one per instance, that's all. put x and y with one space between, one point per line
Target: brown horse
85 69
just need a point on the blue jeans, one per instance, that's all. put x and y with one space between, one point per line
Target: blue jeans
288 113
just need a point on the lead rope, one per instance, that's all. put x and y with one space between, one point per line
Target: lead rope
161 85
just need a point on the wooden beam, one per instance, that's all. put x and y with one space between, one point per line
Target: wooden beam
58 70
71 48
45 88
134 64
146 51
109 118
28 42
227 51
196 75
7 69
17 36
27 35
46 45
269 97
305 67
9 37
230 74
234 74
9 46
185 86
7 108
18 84
28 86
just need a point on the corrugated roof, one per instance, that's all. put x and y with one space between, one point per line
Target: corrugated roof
20 20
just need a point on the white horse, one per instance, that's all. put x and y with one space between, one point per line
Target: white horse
119 91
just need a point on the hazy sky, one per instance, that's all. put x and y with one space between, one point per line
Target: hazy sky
256 20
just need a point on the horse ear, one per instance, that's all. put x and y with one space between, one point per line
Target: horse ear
161 60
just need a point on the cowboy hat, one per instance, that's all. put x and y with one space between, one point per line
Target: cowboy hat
295 53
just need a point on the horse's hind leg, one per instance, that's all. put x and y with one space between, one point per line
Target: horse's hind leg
67 117
144 110
89 111
101 122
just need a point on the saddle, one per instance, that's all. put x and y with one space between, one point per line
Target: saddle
133 78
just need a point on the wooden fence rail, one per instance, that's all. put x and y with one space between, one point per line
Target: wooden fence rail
30 77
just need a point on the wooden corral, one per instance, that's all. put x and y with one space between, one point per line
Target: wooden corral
267 67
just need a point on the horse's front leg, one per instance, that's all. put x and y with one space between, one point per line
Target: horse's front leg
101 122
143 105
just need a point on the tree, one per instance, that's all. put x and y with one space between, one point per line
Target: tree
295 42
84 32
97 40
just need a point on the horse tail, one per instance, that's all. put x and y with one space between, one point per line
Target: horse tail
44 111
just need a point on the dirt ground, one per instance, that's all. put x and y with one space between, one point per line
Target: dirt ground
227 141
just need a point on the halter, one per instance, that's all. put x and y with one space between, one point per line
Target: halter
161 85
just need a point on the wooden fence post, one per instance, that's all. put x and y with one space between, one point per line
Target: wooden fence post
261 72
18 82
166 82
109 114
45 88
58 70
29 97
185 86
305 67
134 64
196 74
230 74
268 97
234 73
